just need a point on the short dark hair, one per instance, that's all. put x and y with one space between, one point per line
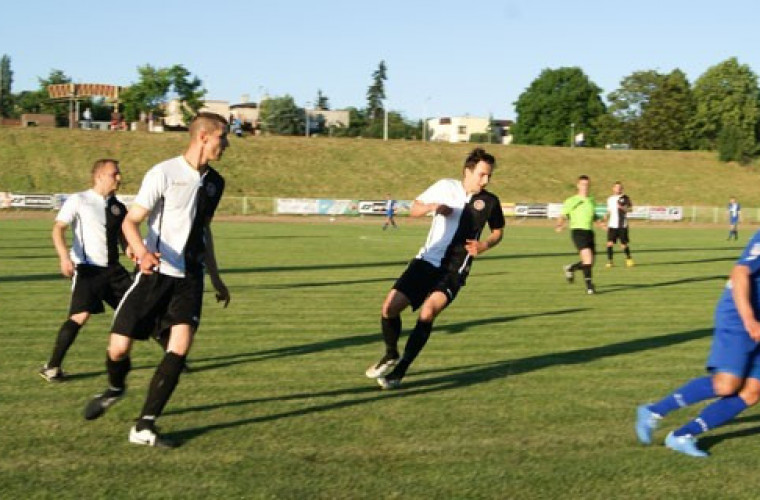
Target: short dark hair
583 177
102 163
476 156
210 122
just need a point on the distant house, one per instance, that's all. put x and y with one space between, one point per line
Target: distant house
461 128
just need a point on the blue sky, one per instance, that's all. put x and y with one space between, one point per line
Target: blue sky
444 57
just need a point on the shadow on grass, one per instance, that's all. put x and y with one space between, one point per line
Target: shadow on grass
447 379
615 287
708 442
357 340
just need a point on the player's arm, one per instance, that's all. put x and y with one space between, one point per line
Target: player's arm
59 241
475 247
222 293
147 261
419 209
741 292
561 221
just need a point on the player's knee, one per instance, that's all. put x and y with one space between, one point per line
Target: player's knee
725 386
80 318
750 396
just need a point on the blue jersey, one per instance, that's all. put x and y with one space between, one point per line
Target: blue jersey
726 315
390 207
733 212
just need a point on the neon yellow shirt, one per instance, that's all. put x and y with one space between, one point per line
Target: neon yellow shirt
581 211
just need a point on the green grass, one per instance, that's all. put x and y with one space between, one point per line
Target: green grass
526 389
58 160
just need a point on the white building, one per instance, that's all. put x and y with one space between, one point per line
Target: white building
461 128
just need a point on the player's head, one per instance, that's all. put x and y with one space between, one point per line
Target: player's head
477 170
583 185
617 188
106 176
732 200
208 133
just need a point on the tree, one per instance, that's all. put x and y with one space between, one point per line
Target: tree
726 95
38 101
6 81
627 105
376 92
555 102
321 102
670 106
159 85
280 115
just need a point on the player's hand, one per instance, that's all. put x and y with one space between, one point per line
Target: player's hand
222 293
475 247
149 262
559 228
442 209
67 268
131 255
753 329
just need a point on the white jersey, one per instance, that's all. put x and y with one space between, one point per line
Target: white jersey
449 192
96 223
169 191
617 218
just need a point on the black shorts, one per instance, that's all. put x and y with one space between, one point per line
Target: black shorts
615 233
422 278
93 285
583 238
156 302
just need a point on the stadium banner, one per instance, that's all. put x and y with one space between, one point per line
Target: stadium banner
554 210
336 207
531 210
301 206
40 201
377 207
508 209
665 213
639 213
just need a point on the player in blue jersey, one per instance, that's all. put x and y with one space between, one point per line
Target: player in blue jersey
733 363
390 212
734 210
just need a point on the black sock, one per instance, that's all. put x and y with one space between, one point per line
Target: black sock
609 254
391 328
66 336
627 251
587 274
576 266
118 371
162 385
416 341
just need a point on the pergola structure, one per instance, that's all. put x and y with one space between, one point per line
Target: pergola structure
73 93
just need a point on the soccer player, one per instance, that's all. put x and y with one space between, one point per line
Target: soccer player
734 211
178 197
95 218
616 218
433 278
390 212
581 211
733 363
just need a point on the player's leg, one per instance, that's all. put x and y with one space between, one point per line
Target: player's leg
587 259
611 240
118 365
390 326
162 385
431 308
52 371
625 245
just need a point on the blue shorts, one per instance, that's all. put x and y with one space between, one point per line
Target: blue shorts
733 221
734 352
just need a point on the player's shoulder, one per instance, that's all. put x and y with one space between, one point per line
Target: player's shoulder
214 176
489 196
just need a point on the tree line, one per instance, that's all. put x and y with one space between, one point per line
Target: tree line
650 110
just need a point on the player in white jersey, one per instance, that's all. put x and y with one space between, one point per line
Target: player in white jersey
734 212
95 218
433 278
178 198
390 212
619 205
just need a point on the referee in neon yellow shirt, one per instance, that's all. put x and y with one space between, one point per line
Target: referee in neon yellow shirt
580 210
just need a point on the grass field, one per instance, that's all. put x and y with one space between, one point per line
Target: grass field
526 389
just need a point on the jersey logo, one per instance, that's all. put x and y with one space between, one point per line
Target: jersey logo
479 205
210 190
755 250
116 210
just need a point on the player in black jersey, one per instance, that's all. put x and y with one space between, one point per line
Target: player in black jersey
95 217
433 278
